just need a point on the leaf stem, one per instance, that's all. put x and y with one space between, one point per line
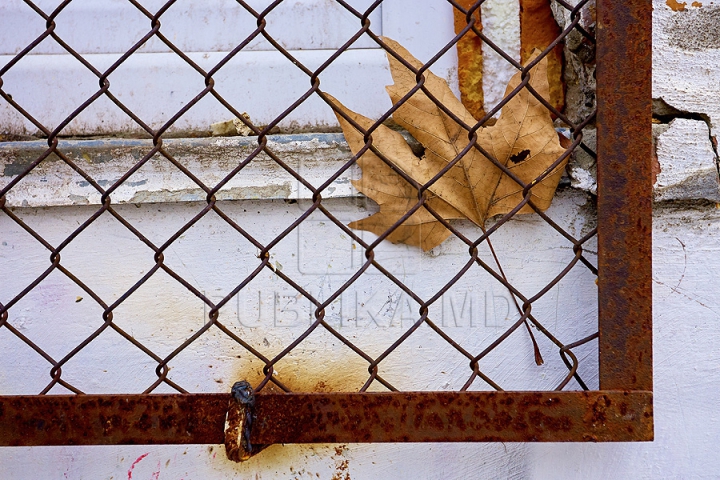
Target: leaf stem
536 350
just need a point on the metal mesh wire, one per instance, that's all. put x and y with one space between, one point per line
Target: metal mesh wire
480 257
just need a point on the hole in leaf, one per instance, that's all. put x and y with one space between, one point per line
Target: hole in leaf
520 156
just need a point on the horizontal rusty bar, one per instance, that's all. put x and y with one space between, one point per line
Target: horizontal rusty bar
330 417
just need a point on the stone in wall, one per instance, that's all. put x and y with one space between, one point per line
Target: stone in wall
686 162
582 168
686 42
580 61
685 167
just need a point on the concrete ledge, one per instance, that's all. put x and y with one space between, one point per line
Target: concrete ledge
686 168
53 183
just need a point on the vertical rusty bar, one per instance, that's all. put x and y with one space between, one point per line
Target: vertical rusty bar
538 29
470 61
625 193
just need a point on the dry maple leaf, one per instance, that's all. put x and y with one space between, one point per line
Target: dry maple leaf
395 195
523 140
443 138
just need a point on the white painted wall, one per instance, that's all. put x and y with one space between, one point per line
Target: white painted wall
155 83
214 258
686 318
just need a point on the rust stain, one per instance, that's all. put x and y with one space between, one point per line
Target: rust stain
341 472
470 62
301 372
676 6
342 466
697 4
538 29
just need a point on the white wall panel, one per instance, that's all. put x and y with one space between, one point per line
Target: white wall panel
113 26
155 86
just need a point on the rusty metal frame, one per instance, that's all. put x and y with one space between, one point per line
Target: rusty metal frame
620 411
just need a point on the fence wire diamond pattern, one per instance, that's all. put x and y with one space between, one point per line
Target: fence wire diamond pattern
477 247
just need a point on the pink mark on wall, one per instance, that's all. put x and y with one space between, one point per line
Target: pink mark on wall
156 475
135 463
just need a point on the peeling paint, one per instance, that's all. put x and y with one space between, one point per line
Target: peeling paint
695 30
501 24
582 169
676 6
108 183
283 190
52 183
78 200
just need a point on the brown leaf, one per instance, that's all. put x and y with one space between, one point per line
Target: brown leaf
523 140
389 190
443 138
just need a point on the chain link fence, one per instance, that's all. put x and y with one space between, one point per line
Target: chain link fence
482 263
